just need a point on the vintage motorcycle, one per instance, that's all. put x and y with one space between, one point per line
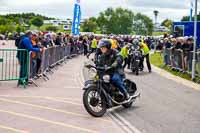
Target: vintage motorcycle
136 60
100 94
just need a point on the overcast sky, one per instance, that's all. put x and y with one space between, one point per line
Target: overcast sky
173 9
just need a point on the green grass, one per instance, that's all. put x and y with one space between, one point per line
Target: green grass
158 33
157 60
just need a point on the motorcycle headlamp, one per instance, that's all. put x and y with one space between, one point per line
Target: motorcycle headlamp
106 78
92 73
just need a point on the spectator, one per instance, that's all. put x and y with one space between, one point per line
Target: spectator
22 56
59 39
34 56
85 45
187 47
167 46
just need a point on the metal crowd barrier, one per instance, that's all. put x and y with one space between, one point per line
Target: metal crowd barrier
198 64
14 67
56 55
24 66
181 60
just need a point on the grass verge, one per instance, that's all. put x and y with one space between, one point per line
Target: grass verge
157 60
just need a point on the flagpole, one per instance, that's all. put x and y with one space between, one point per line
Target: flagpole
191 10
195 42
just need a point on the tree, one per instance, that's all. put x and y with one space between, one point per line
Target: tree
118 21
51 28
167 23
187 18
19 28
6 28
142 25
37 21
89 25
14 22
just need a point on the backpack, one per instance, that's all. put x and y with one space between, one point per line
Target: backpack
18 40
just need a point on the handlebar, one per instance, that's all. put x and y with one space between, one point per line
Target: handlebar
98 68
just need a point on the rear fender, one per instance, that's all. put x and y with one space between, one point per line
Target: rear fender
132 87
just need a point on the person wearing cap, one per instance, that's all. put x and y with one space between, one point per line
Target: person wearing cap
25 43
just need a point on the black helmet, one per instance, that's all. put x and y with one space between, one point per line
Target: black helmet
104 43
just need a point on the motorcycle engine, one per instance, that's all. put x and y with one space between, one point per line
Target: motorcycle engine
119 97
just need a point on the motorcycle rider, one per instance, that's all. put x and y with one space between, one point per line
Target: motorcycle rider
112 61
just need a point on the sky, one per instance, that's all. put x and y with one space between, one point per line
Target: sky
171 9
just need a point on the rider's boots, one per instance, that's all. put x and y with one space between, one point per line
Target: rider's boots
126 94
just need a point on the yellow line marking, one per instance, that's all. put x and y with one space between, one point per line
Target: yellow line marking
49 121
52 109
13 129
63 101
42 97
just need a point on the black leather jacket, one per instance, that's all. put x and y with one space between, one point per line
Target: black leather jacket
111 59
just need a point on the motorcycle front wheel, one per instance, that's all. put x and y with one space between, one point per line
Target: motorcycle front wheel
94 103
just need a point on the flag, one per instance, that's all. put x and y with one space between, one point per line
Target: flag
191 10
77 18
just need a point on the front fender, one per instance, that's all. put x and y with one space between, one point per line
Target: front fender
88 84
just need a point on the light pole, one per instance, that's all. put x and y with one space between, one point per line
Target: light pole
195 42
156 15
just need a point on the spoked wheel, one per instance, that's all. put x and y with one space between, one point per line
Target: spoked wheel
94 103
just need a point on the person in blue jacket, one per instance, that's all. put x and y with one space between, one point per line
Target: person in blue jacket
25 45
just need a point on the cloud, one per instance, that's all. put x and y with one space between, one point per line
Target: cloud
173 9
169 4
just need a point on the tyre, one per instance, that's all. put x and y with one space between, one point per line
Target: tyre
94 103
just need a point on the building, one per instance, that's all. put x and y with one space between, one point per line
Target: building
159 28
67 24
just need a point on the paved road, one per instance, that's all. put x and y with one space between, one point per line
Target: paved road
56 106
165 106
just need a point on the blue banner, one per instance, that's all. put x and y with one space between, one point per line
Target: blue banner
77 18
